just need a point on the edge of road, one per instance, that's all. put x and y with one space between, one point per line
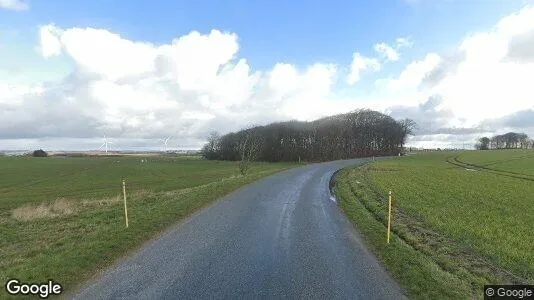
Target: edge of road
337 165
76 289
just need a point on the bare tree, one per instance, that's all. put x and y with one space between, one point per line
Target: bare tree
249 147
483 143
211 148
408 127
523 140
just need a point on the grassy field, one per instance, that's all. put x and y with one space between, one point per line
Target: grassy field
457 226
519 162
62 217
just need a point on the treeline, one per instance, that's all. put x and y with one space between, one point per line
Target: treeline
510 140
356 134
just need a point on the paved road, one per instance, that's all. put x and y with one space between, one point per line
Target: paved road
281 237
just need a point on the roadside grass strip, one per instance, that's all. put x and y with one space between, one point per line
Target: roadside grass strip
454 230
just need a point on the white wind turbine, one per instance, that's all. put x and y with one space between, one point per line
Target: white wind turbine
105 144
165 142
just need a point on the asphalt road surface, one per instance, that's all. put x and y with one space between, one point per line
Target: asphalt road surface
281 237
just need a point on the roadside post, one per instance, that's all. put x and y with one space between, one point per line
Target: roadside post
125 207
389 216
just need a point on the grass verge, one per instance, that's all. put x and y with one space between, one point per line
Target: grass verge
418 274
454 229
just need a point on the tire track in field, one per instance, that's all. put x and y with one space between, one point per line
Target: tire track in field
455 161
507 160
464 257
494 170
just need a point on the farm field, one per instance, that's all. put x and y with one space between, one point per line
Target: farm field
456 227
30 180
512 161
62 217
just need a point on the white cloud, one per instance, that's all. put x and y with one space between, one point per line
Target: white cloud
194 59
99 52
16 5
311 97
404 42
196 83
50 45
486 84
517 23
480 81
360 64
284 78
390 53
387 51
414 72
133 89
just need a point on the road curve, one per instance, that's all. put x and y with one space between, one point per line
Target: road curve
280 237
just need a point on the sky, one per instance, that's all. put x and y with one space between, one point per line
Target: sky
72 72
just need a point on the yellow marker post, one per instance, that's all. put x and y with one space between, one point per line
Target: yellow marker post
125 207
389 216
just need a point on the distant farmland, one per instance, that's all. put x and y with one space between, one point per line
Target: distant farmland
461 219
62 217
28 179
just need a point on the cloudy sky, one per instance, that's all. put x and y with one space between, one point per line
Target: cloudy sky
137 71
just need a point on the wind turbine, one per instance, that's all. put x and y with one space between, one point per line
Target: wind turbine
165 142
105 144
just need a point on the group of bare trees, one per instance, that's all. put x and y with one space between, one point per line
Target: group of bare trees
510 140
356 134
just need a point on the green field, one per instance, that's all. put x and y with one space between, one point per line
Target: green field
457 226
505 161
62 217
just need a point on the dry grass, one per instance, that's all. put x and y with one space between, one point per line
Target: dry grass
64 207
102 201
60 207
142 193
